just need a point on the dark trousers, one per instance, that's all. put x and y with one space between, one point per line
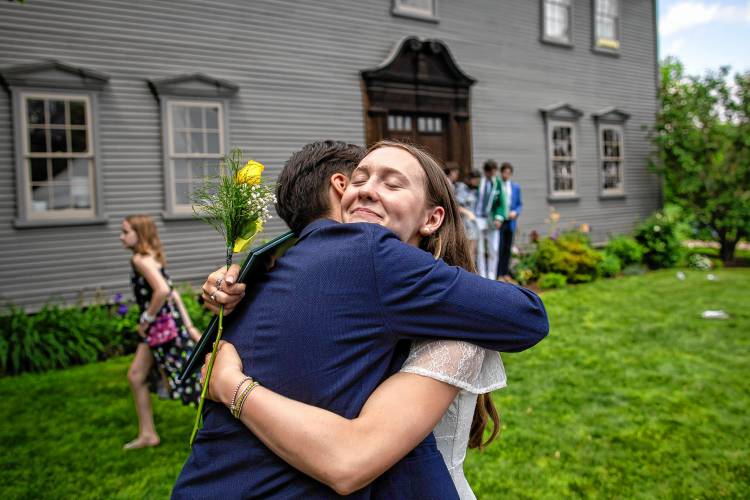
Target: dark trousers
503 253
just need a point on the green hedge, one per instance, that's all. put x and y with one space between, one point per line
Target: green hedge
626 249
58 337
552 280
570 254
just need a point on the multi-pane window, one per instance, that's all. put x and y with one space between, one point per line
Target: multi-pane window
399 123
611 159
196 146
58 155
557 20
430 124
607 24
423 9
562 158
405 123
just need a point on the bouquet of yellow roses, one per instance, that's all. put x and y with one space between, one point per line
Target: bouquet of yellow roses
236 205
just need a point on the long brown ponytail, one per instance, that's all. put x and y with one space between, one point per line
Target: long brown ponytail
485 408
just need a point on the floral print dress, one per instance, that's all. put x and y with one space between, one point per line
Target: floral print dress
173 355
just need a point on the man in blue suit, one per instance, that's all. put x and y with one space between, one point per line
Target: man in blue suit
513 204
330 323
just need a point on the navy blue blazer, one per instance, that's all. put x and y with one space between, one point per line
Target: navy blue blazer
326 327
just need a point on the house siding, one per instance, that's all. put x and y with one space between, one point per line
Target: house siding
297 66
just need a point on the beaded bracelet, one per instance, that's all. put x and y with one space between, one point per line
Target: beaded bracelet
238 409
146 318
237 390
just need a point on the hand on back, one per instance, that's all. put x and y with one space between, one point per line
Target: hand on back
226 372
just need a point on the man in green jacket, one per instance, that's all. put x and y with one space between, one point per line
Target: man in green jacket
490 213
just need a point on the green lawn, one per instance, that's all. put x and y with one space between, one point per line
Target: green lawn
633 395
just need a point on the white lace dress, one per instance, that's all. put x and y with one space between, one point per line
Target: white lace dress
472 369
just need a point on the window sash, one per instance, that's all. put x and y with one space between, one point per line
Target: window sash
399 122
557 20
430 125
405 123
562 160
182 185
611 159
66 188
606 19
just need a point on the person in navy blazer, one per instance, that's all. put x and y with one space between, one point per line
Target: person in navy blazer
512 198
325 328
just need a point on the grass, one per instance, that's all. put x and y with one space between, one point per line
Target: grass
63 432
633 395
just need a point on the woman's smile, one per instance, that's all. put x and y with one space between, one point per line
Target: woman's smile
366 213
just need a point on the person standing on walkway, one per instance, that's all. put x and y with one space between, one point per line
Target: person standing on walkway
512 199
490 214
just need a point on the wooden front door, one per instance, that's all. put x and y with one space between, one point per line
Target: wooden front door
420 95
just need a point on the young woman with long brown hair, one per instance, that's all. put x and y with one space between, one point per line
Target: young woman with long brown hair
166 329
443 386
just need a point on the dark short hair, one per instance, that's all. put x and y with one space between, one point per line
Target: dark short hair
490 165
474 174
302 187
506 166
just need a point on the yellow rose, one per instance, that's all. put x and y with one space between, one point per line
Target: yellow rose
250 173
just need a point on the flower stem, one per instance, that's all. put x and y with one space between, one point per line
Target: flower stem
199 417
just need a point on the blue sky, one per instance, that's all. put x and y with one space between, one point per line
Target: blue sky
706 34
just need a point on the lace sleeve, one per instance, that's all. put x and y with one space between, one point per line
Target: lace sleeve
460 364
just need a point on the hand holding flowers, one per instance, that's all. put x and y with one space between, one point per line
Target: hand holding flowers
236 205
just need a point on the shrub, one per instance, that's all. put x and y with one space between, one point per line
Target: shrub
525 269
57 337
625 249
609 266
658 235
570 255
552 280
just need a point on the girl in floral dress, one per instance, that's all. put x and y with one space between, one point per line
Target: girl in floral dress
167 331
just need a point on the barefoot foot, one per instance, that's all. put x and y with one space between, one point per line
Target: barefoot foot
142 442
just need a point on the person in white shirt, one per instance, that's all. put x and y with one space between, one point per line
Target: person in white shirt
490 214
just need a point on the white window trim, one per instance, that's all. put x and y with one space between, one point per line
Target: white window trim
398 9
600 133
568 42
607 45
26 217
27 155
562 195
172 209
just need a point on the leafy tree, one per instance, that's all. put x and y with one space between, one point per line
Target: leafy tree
702 136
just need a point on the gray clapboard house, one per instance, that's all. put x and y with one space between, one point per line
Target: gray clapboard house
115 107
